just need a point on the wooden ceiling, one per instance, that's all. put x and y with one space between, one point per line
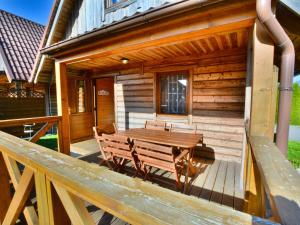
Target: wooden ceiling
196 47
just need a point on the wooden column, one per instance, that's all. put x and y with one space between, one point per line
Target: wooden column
264 84
62 108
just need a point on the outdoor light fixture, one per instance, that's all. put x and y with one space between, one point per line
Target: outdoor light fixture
124 60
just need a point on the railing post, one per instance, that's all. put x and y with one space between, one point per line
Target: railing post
50 208
62 107
5 196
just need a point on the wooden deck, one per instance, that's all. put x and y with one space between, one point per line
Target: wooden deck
215 180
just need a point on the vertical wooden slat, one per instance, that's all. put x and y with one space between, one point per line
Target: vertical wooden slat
5 197
42 199
62 107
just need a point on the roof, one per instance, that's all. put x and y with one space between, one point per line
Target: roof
19 44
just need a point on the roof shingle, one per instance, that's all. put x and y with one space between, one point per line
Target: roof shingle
19 39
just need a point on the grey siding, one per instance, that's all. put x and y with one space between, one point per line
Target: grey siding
88 15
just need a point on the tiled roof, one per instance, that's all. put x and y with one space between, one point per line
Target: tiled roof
19 39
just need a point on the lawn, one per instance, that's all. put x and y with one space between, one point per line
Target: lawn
294 153
49 141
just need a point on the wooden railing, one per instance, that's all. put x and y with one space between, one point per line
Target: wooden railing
59 178
272 185
47 121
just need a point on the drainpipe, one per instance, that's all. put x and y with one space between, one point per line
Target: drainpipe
281 39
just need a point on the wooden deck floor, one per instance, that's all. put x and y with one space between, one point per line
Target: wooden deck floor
215 180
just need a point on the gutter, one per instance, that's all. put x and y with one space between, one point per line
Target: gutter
281 39
134 21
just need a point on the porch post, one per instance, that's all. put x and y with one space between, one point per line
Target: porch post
62 108
264 84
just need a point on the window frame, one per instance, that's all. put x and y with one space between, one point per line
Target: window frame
158 92
110 7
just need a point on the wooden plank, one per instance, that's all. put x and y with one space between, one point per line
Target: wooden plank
222 99
22 121
219 120
209 183
5 197
221 106
238 190
74 206
220 76
220 84
220 128
42 199
228 193
134 76
219 91
201 175
221 68
62 107
117 194
20 197
218 188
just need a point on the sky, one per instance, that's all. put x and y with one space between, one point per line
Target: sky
35 10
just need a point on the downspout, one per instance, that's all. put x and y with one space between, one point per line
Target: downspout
281 39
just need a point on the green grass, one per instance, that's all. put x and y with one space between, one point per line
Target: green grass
49 141
295 115
294 153
295 112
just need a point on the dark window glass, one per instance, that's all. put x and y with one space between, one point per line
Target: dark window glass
112 2
173 89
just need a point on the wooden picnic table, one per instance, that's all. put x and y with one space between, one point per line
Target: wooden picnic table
175 139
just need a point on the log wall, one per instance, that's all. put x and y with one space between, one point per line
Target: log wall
217 99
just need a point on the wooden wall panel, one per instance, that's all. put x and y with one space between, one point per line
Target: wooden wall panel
218 107
134 99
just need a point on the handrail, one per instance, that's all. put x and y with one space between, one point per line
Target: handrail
280 180
22 121
130 199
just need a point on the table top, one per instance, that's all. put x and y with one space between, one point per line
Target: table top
176 139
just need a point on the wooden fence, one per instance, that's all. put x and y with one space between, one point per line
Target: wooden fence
64 184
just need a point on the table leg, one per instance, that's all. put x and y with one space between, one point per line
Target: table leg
187 173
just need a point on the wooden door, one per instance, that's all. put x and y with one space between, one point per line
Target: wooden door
105 104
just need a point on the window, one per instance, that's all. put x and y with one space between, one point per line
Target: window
112 5
81 92
173 89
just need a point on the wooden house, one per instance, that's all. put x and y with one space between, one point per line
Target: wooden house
19 44
199 62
